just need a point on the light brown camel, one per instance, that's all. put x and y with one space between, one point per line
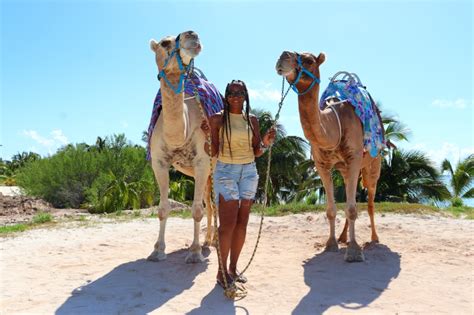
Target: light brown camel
177 139
332 146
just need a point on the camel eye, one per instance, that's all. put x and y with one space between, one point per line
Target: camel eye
166 43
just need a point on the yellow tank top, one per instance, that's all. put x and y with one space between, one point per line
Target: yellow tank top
242 151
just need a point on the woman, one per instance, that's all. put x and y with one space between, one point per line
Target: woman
236 141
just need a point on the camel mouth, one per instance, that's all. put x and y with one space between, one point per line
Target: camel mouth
192 49
283 68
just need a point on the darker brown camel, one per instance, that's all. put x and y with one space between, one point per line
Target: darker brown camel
336 137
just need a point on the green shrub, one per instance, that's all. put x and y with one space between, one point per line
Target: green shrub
457 202
112 176
42 217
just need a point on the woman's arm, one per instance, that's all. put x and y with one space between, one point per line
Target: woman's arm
260 144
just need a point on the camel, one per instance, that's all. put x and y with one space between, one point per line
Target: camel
334 144
177 139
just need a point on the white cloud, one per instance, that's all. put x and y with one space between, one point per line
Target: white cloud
460 103
264 94
59 136
47 144
33 134
447 150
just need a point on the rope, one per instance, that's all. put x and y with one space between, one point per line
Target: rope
267 178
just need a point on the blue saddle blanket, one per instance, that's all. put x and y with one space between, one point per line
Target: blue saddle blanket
210 97
354 92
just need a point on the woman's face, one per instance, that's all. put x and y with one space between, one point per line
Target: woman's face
236 98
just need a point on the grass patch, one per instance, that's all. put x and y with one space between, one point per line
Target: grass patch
13 228
461 212
182 213
380 207
42 217
38 220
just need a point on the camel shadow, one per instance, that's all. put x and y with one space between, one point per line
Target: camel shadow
137 287
352 286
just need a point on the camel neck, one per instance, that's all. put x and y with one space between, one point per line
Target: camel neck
314 123
174 126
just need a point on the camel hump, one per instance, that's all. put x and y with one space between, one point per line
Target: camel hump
347 86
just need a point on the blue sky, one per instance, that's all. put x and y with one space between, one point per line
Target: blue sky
75 70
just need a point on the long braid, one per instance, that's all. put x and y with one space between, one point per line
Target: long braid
226 122
247 113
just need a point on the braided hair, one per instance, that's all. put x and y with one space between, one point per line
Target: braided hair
226 115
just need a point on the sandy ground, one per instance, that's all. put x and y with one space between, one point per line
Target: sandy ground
423 265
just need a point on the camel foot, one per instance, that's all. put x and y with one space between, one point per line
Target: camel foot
342 239
194 257
370 245
331 245
354 253
157 256
212 243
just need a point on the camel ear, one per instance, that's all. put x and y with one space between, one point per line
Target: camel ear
321 58
153 45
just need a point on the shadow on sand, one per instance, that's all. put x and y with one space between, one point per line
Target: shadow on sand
352 286
136 287
216 303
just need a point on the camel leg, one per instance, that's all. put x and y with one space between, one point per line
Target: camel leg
162 177
201 174
343 237
353 251
370 178
210 236
325 174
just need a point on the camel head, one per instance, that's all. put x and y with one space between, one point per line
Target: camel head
300 69
166 53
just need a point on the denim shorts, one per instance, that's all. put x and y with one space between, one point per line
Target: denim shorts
235 181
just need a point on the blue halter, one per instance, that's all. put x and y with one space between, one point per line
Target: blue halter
182 69
298 77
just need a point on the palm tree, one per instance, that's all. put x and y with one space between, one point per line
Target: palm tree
395 130
410 176
145 136
288 152
310 188
462 178
121 194
19 160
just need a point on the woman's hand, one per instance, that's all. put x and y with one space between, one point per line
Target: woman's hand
205 126
269 137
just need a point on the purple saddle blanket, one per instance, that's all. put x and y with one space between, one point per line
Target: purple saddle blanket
210 97
354 92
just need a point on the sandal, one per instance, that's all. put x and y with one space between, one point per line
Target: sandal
239 278
230 282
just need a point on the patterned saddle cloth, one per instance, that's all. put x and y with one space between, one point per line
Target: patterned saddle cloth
210 97
350 89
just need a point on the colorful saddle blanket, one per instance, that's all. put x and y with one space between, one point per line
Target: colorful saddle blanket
350 89
210 97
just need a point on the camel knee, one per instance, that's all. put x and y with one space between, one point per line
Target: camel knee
163 213
198 213
351 212
331 213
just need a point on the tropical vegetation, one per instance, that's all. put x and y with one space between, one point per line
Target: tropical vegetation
461 180
112 174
